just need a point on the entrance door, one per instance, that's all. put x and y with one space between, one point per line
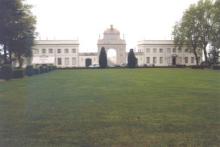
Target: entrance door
174 61
88 62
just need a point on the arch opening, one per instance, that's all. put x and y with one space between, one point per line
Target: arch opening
112 57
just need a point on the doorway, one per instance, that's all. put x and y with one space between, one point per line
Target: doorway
88 62
174 60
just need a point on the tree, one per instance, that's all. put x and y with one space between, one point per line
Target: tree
214 56
132 60
216 26
198 27
1 56
186 33
103 58
205 15
16 27
22 43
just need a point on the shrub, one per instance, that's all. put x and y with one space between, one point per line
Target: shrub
216 67
18 73
205 64
43 68
6 71
51 67
36 71
180 66
1 74
197 67
103 58
54 67
132 60
29 70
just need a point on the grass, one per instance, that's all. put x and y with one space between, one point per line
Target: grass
130 108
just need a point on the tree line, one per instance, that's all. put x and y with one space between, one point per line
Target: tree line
199 30
17 30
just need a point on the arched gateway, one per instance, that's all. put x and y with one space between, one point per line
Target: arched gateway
112 40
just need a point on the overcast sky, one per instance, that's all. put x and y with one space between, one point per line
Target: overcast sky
86 19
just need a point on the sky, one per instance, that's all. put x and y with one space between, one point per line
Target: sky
86 20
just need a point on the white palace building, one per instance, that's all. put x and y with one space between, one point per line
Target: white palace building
65 53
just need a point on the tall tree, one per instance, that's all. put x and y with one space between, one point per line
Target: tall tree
198 27
216 26
103 58
21 44
9 12
1 56
205 15
16 21
132 60
186 33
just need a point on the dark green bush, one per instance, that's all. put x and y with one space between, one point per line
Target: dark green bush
18 73
180 66
36 71
50 68
54 67
6 71
43 69
216 67
197 67
1 74
29 70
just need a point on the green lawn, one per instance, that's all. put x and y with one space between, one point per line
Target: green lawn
120 108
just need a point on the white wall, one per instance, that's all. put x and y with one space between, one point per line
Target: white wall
56 46
164 50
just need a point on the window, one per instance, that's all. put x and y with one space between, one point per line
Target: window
59 61
66 61
66 51
161 50
169 50
154 50
73 61
148 50
154 60
180 60
186 50
186 60
58 51
74 50
192 60
50 50
36 51
174 50
43 51
161 60
180 50
148 60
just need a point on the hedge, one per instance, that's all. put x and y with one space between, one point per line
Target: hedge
6 71
18 73
43 69
216 67
29 70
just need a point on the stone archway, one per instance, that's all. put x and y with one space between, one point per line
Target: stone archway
112 40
